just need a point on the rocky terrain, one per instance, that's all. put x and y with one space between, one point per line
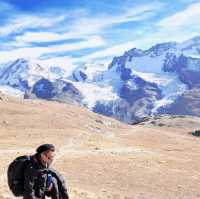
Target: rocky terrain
100 157
186 104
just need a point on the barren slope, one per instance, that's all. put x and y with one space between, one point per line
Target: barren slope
102 158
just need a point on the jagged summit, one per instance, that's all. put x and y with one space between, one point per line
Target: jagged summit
22 73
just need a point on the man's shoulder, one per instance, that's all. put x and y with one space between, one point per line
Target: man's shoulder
31 164
30 168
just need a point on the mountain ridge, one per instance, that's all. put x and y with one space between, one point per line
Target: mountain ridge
135 85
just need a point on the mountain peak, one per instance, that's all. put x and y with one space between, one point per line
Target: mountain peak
195 39
191 44
22 73
163 47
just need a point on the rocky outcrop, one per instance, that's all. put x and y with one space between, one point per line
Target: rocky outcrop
161 48
186 104
79 76
58 90
190 77
172 63
137 98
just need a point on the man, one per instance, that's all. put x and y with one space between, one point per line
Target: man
40 180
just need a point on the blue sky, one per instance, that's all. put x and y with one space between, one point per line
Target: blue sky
69 32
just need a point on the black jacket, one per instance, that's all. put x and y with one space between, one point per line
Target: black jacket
35 180
61 184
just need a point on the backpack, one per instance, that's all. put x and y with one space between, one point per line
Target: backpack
15 174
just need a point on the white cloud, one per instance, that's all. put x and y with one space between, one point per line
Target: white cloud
29 37
93 25
83 25
36 52
116 50
178 27
39 37
26 21
188 17
138 13
189 1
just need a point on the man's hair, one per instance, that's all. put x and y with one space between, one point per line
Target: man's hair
46 152
45 147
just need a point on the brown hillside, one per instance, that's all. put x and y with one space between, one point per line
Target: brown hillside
101 158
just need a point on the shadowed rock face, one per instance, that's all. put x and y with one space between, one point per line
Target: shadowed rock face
125 73
186 104
172 63
82 75
58 90
133 113
190 77
144 90
104 109
187 68
134 103
44 89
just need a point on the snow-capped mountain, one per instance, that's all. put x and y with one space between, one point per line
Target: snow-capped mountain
32 80
25 73
135 85
21 74
144 82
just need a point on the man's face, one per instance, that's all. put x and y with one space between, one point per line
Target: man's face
48 157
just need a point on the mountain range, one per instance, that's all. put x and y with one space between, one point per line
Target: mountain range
164 79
